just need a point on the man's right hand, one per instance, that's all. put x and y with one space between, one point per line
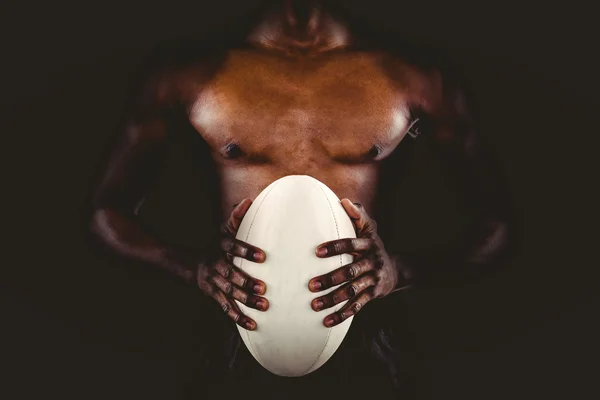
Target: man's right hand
225 282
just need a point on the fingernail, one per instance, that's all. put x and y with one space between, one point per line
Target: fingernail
261 304
258 256
322 252
317 305
258 288
249 325
316 285
329 321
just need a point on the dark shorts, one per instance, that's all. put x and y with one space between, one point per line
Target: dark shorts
354 371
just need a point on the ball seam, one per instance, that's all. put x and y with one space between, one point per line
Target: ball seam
242 262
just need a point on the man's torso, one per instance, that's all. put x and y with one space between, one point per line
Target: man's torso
334 117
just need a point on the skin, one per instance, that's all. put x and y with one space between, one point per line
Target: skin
285 105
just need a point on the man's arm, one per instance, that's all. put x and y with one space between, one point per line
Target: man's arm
130 171
453 132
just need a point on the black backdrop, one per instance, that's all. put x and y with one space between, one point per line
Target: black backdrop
77 324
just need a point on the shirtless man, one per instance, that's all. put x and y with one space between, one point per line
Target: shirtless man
300 95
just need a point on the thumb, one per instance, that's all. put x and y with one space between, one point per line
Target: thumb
359 216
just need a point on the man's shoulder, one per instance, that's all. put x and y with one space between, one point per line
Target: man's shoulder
178 54
436 71
173 68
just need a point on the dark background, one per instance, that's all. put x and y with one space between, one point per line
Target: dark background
78 324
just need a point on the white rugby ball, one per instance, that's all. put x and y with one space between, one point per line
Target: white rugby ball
288 220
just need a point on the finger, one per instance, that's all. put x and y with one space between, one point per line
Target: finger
232 291
232 224
364 223
352 209
344 246
238 212
237 248
341 275
350 309
343 293
232 310
239 278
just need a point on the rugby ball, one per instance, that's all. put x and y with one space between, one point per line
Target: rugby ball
288 220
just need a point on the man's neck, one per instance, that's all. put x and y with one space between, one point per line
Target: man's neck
300 27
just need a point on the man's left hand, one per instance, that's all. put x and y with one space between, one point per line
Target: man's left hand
373 274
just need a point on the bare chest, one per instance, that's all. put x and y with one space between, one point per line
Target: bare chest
334 118
269 109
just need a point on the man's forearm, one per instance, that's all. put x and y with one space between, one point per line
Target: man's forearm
485 245
123 234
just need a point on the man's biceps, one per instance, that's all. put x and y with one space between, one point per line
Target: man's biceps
148 130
